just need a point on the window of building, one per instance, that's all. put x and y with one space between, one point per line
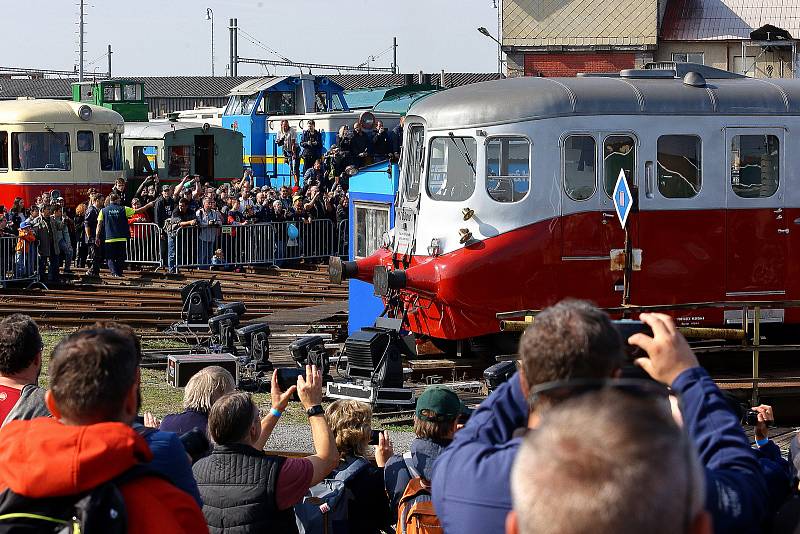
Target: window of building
372 221
688 57
110 152
85 141
755 165
508 168
619 154
451 168
580 171
179 160
679 166
144 160
40 151
744 67
3 151
413 160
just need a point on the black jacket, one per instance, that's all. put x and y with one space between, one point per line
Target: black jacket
238 485
369 510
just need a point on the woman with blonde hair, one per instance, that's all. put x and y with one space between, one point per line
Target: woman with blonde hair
200 394
351 424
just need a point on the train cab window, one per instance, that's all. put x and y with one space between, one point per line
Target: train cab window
110 152
679 170
241 104
321 101
754 165
85 141
279 103
179 161
336 103
451 168
508 168
413 161
619 153
40 151
133 92
580 171
112 93
371 222
3 151
144 160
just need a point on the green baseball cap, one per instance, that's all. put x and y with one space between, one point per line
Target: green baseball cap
437 404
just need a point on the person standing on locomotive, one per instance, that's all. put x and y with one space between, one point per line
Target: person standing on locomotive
311 143
287 138
361 145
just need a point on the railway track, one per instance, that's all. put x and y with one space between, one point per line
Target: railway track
149 301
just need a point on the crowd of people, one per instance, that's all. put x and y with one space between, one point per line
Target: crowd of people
570 443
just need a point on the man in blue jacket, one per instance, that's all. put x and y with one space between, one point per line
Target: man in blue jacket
471 488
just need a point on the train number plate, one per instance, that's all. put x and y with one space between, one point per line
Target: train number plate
405 228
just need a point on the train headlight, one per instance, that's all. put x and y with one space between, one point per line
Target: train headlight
85 112
434 249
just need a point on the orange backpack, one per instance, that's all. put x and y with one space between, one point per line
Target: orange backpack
415 513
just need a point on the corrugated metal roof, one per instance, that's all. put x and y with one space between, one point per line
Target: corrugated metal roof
529 98
580 22
720 20
218 86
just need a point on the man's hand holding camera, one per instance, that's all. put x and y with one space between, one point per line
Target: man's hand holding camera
280 399
669 352
309 389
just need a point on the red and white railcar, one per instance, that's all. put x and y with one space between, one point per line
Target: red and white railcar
57 145
505 198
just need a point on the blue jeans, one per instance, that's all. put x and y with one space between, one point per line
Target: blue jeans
171 253
205 250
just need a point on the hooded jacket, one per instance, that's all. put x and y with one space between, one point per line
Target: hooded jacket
43 458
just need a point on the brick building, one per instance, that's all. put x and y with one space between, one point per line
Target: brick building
564 37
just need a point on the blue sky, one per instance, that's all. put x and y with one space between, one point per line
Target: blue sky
170 37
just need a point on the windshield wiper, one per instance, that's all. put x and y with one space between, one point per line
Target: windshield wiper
465 154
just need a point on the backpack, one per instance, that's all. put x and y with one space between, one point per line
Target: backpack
415 513
324 509
101 510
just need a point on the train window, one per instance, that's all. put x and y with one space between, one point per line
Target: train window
451 168
619 153
179 160
580 172
280 103
133 92
508 168
321 101
85 141
110 156
241 104
144 160
336 103
112 93
413 160
754 165
40 151
679 170
372 221
3 151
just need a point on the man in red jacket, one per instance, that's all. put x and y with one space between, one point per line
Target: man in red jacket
93 396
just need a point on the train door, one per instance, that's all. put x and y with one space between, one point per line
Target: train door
407 208
204 155
84 166
756 228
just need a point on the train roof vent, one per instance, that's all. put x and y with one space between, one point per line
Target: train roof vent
680 70
694 79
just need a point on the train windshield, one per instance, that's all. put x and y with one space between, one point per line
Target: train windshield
40 151
413 161
241 104
451 169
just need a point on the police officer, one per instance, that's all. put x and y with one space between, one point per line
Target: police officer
113 229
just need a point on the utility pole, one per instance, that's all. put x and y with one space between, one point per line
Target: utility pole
109 60
394 55
210 16
234 45
80 43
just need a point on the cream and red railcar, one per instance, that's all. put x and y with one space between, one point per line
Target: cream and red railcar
57 146
713 160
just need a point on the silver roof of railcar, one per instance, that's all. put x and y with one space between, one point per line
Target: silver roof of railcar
518 99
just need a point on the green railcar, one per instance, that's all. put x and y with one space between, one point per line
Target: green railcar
126 97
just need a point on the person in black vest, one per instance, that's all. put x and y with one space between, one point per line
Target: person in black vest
361 146
311 143
245 490
382 143
112 225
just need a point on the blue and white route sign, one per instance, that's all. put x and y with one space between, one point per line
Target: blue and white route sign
623 200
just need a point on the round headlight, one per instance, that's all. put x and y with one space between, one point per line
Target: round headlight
85 112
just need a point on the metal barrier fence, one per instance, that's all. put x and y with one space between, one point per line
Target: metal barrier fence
250 244
144 246
343 240
18 266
